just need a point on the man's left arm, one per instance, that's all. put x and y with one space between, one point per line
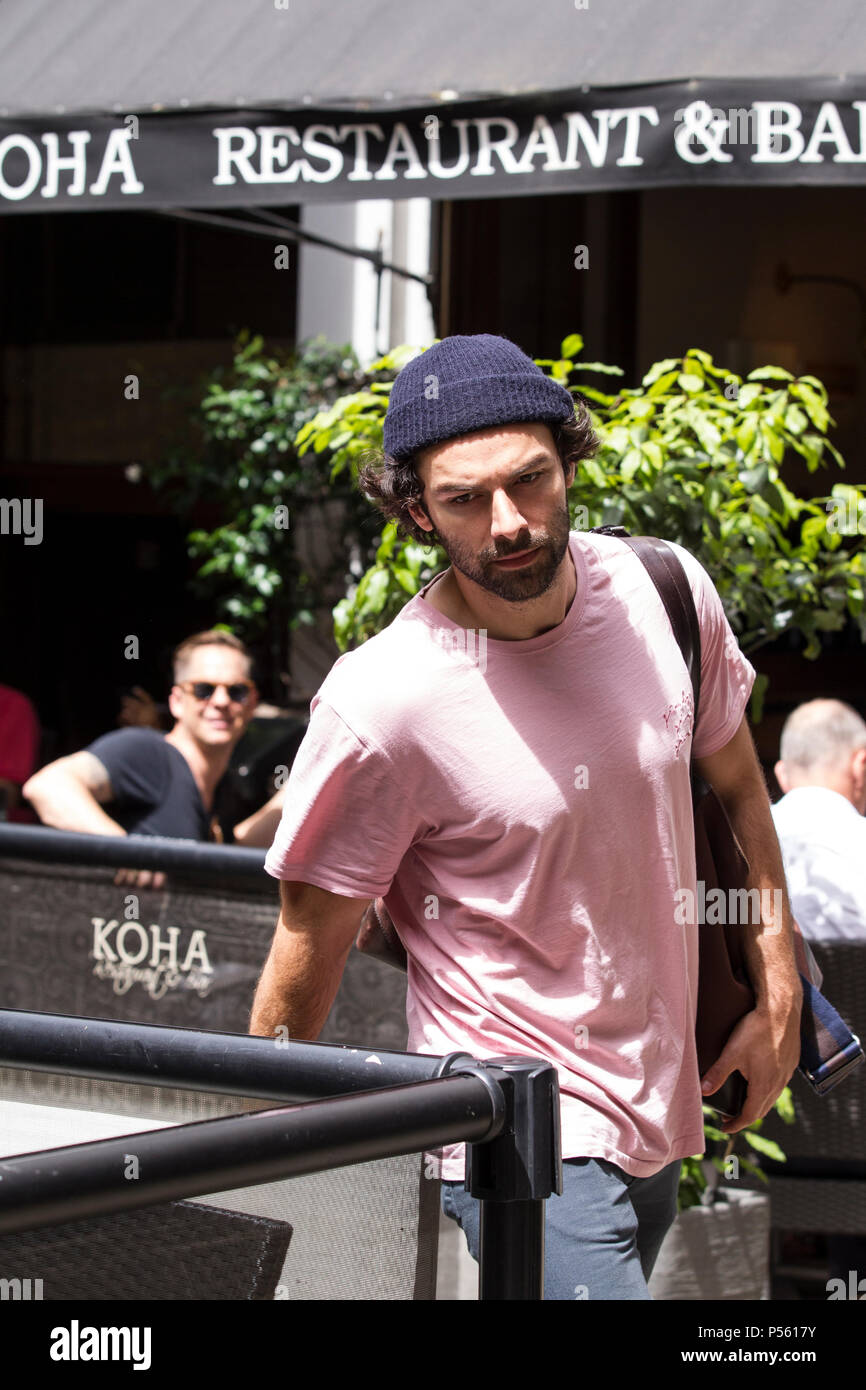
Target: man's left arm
765 1045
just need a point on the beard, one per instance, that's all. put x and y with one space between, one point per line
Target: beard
521 585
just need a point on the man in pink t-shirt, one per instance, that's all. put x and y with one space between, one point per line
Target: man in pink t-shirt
506 768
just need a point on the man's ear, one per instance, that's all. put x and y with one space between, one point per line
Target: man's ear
419 516
858 770
175 702
782 776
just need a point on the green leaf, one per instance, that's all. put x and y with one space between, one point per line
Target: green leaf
690 383
630 464
662 384
765 1146
770 374
572 345
599 367
753 479
591 394
658 368
406 579
773 498
759 690
795 420
748 394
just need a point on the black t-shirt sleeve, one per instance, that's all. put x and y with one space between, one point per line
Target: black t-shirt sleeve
136 761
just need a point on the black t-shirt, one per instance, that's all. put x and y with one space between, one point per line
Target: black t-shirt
153 786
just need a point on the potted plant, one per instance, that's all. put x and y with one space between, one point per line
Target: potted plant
718 1246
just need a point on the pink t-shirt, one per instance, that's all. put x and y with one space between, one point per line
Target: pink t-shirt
524 810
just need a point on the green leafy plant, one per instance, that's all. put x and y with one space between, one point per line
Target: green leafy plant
245 472
699 1184
695 454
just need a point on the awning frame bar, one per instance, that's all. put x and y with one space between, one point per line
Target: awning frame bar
295 233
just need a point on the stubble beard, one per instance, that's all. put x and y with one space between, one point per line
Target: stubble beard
516 586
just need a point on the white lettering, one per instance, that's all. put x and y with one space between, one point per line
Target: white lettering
170 946
274 145
120 942
402 146
437 168
333 158
595 141
117 160
770 131
77 162
360 172
503 147
633 115
197 951
102 949
828 127
541 138
31 149
228 155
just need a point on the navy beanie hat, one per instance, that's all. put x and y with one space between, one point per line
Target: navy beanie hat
463 384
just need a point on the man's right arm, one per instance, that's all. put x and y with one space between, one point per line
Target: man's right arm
66 794
302 973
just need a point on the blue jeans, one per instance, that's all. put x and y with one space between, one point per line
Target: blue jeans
601 1237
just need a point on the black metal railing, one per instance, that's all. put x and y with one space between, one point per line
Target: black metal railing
128 851
368 1105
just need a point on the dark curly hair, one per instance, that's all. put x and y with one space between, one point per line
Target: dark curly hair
391 485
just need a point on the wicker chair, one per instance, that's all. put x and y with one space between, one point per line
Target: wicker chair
175 1251
822 1186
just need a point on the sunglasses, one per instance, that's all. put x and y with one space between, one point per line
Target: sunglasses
204 690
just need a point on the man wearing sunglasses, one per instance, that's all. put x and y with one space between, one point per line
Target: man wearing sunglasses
141 782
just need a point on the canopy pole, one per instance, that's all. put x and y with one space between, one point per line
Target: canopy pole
295 233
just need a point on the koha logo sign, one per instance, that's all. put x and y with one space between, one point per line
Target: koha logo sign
128 954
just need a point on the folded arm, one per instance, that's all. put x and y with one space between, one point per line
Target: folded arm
67 794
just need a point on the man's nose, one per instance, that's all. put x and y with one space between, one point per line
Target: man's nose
506 519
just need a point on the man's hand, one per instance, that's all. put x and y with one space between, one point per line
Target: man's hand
765 1048
140 878
138 710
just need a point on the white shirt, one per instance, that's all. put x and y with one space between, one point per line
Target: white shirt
823 839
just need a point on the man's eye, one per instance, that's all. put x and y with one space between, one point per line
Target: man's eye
465 497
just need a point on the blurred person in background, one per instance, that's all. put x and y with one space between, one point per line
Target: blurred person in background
138 781
20 737
820 819
822 830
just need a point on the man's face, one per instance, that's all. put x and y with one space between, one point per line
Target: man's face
494 494
217 719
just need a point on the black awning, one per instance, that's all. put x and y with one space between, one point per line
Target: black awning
229 103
